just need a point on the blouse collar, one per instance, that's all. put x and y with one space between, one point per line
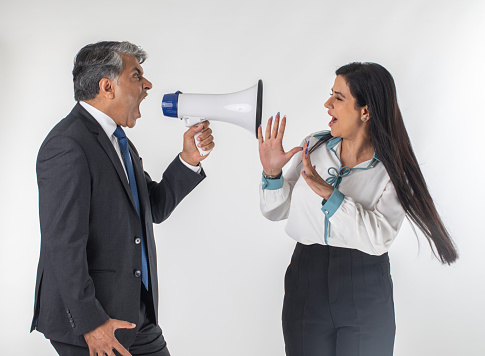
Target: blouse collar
334 141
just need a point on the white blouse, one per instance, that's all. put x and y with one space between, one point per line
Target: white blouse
363 213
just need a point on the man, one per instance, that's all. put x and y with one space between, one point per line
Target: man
97 271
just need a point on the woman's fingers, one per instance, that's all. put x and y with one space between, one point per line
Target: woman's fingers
311 176
268 129
307 163
276 126
274 129
271 152
281 131
309 171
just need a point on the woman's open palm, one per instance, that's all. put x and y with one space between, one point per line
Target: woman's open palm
271 153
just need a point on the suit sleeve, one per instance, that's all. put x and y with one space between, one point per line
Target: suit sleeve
177 181
64 200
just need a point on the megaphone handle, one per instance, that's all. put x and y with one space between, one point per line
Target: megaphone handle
201 151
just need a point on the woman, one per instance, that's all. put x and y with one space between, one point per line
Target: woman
345 199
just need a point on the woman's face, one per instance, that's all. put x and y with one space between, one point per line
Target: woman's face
346 115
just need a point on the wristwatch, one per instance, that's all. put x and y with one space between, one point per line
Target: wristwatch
272 177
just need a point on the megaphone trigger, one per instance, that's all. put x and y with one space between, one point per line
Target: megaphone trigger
193 120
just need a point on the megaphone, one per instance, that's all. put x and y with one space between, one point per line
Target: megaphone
243 108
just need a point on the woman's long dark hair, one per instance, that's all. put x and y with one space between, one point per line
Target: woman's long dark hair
372 85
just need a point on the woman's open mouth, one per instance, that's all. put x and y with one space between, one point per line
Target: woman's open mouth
333 121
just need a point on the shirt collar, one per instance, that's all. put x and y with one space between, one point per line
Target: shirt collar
334 141
374 161
106 122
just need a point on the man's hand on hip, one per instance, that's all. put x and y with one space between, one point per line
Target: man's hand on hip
102 340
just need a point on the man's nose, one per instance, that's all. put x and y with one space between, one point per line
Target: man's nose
147 85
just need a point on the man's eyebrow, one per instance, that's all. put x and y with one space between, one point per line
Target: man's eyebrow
339 93
138 70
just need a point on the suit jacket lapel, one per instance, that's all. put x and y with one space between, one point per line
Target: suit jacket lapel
115 159
104 141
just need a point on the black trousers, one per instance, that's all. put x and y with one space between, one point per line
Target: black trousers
149 340
338 302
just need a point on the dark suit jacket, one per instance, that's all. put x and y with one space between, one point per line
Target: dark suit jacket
89 229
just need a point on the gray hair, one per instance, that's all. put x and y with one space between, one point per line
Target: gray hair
100 60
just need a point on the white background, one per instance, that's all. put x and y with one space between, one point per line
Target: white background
221 264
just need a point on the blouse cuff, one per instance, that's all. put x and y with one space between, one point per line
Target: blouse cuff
272 184
330 206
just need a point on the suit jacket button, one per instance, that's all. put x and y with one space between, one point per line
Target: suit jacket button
137 273
137 240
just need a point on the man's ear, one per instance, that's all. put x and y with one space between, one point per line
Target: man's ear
107 88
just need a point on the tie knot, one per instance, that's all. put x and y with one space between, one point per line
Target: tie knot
119 133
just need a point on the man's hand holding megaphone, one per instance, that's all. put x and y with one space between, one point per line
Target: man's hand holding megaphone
205 141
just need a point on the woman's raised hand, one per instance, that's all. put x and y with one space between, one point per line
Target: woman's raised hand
313 179
271 153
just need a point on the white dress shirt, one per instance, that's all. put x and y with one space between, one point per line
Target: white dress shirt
109 127
364 213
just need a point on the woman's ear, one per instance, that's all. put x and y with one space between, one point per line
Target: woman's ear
364 113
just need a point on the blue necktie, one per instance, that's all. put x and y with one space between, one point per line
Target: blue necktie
123 142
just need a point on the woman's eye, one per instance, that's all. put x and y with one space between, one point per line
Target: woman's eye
331 94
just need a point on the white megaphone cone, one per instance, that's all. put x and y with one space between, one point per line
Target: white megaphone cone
243 108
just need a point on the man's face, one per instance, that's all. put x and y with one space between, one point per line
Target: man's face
130 89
